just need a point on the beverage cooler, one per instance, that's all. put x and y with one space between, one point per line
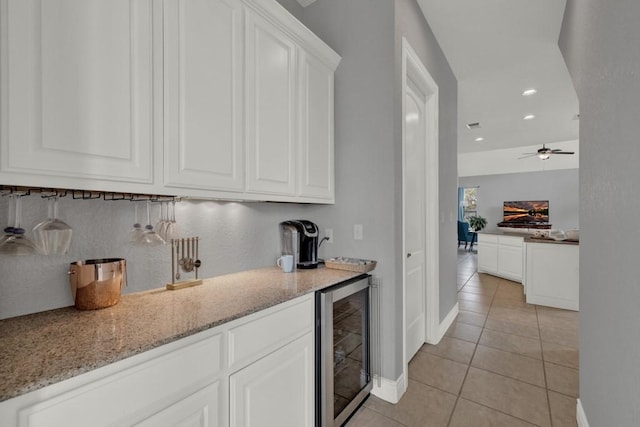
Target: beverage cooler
343 350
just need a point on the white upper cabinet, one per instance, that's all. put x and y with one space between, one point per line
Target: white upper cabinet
271 108
77 91
316 172
229 99
203 98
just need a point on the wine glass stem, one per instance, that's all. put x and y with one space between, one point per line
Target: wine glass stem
55 207
18 212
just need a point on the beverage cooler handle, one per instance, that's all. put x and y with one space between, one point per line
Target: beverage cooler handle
374 310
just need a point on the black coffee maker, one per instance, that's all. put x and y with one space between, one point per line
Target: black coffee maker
299 237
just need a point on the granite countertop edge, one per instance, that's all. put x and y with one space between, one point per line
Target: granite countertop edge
41 349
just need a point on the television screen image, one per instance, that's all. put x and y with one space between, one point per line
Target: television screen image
530 211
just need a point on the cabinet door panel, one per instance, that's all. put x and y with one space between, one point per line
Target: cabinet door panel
277 390
201 409
487 257
510 262
316 129
270 130
78 89
203 42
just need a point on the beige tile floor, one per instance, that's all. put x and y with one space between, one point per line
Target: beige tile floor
502 363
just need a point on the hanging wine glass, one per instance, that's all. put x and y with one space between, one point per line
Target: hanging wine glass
149 237
8 230
17 243
171 227
53 235
137 231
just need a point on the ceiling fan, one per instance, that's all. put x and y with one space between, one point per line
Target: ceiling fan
544 153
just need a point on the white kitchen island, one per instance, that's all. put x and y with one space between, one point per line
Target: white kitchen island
548 269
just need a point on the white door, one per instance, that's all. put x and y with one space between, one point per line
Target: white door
271 108
421 245
203 99
77 90
414 217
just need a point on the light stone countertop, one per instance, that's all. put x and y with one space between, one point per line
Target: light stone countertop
41 349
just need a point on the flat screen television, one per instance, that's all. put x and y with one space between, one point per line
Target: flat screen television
526 212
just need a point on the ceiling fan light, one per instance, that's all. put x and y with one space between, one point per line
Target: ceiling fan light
544 156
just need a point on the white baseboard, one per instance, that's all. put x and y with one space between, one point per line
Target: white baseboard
389 390
581 417
445 324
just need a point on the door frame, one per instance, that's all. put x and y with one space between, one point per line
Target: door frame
413 69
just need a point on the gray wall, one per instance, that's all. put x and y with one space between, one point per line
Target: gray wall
410 23
361 31
599 41
560 187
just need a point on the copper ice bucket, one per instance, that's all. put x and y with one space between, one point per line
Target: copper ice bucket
97 283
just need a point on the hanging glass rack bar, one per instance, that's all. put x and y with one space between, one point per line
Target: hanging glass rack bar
84 194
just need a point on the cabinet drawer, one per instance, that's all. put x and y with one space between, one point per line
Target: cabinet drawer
270 331
510 241
133 393
487 238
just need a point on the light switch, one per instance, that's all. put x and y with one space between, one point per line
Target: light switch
357 232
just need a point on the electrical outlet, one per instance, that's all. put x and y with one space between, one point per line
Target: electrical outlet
357 232
328 233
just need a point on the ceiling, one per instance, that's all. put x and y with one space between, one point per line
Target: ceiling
497 49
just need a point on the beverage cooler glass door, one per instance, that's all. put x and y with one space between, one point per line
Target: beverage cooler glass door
343 357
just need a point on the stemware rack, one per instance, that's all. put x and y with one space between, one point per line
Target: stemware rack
84 194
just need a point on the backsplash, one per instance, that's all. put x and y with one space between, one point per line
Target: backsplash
234 237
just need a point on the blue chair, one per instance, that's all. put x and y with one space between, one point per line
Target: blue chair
464 235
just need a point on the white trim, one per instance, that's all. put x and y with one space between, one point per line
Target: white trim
445 324
414 68
389 390
581 417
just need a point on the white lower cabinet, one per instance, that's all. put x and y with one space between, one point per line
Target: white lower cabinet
277 390
254 371
501 256
487 253
552 275
135 389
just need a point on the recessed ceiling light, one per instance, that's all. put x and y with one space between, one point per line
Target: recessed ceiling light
479 139
529 92
529 117
475 125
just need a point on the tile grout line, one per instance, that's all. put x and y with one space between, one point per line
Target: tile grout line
544 370
455 405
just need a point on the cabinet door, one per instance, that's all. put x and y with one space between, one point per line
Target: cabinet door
277 390
316 129
487 253
77 90
553 275
510 262
270 111
203 104
201 409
